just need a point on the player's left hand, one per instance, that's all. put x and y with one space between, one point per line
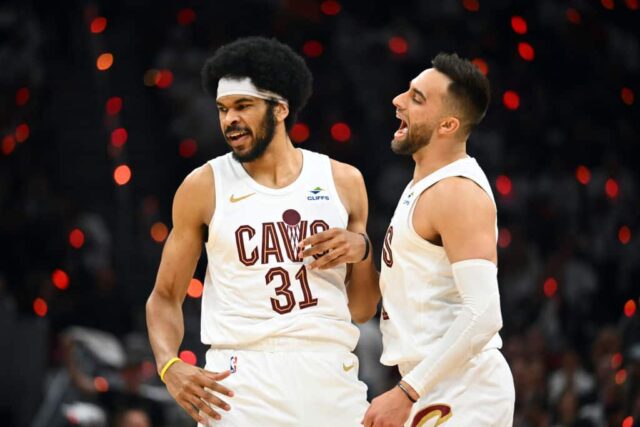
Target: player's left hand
390 409
336 245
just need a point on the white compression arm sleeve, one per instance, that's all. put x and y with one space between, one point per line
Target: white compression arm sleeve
477 322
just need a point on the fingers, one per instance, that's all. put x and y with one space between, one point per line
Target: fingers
210 380
329 260
319 237
198 406
208 396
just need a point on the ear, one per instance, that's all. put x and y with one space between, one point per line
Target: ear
449 126
281 111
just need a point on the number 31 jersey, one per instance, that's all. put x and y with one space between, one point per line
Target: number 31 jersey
256 287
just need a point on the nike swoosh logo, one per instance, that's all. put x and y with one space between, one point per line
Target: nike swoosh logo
237 199
347 368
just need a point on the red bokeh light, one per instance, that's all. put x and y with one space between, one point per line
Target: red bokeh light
627 96
611 188
503 185
22 96
60 279
482 65
312 48
330 7
299 132
504 238
630 308
607 4
122 174
616 361
340 132
398 45
76 238
101 384
526 51
98 24
187 148
471 5
627 422
624 234
511 100
632 4
573 16
519 25
550 287
189 357
22 132
195 288
159 232
186 16
119 137
104 61
113 105
8 145
164 79
583 175
621 376
40 307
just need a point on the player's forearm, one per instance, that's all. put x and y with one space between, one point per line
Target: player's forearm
363 290
166 327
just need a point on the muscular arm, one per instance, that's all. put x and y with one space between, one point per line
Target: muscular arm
464 217
192 203
362 286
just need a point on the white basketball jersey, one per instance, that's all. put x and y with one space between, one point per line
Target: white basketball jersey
256 287
419 296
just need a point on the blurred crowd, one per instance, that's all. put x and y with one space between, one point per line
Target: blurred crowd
79 252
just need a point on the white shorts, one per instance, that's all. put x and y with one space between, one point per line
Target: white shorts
480 394
287 388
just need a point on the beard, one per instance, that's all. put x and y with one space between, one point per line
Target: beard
417 137
262 137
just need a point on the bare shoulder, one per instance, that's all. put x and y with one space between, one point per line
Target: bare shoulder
345 174
350 185
195 196
460 195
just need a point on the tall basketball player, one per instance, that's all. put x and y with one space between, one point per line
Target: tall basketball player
441 307
280 331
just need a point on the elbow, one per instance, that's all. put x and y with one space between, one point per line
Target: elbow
363 314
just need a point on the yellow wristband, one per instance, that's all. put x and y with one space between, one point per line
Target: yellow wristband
167 365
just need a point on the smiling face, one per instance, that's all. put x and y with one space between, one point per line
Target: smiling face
248 125
421 110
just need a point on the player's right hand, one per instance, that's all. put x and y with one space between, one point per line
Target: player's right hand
193 388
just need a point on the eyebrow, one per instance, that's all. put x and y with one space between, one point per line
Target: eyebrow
237 101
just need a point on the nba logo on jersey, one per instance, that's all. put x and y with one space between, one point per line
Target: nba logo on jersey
233 364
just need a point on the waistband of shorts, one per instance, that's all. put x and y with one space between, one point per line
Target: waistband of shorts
405 367
288 344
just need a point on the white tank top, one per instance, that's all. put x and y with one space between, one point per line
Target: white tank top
256 289
419 296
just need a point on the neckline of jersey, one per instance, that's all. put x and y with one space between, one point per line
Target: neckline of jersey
276 191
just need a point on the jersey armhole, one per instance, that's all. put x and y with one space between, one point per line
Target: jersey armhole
218 188
342 210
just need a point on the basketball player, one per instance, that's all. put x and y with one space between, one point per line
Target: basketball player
441 307
280 332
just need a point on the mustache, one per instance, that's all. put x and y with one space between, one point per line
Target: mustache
236 128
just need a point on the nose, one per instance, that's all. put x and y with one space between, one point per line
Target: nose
397 101
231 117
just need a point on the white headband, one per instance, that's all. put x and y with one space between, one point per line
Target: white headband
244 86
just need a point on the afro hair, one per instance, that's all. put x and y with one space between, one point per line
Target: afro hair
270 64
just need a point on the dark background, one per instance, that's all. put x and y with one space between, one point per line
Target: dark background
79 250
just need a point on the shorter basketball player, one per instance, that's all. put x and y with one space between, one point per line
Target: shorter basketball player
280 331
441 308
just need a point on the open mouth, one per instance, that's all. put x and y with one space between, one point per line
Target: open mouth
236 135
402 130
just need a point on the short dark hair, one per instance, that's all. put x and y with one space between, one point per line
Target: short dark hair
469 88
270 64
